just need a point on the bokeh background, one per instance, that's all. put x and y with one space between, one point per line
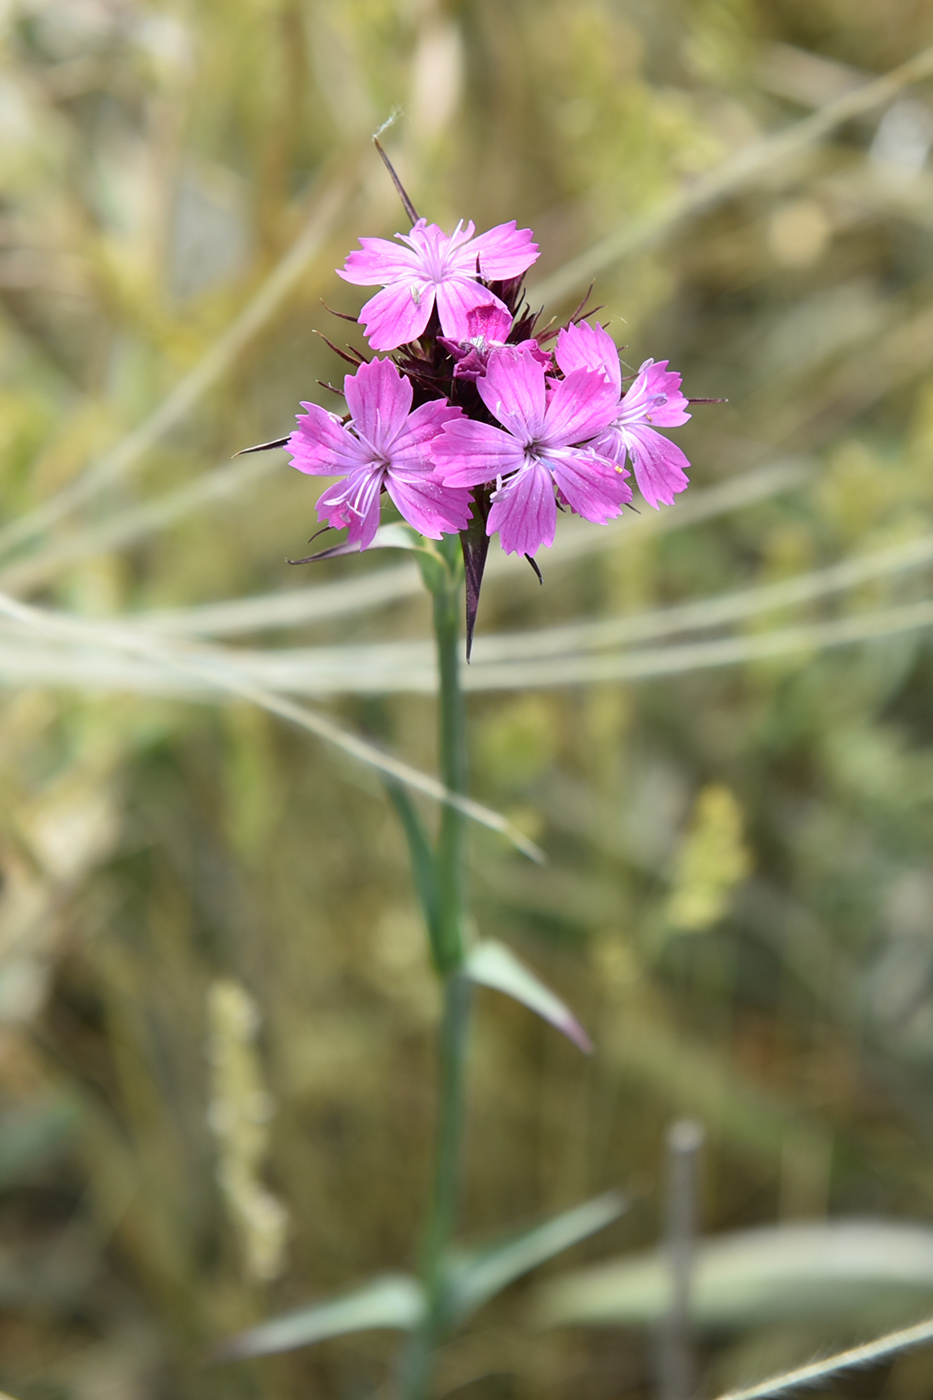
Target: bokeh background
216 1018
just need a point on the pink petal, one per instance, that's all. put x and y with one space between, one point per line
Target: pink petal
504 251
468 453
655 396
379 400
411 449
321 446
379 263
589 347
578 408
457 299
542 356
659 465
397 314
591 486
434 247
471 365
524 511
613 444
432 508
488 322
354 503
513 390
457 239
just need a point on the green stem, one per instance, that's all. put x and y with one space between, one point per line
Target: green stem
449 951
452 744
418 1357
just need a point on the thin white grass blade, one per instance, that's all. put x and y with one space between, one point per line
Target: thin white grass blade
387 585
866 1355
710 612
701 656
492 964
383 763
126 527
579 540
213 669
393 585
407 668
297 607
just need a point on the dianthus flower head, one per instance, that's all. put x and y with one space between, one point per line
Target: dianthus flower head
383 446
506 431
654 398
545 442
434 269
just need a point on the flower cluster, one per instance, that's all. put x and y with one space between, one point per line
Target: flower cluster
471 417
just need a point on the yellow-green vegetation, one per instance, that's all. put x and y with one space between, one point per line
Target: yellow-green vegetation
715 720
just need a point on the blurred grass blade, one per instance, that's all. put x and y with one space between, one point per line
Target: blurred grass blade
400 668
731 175
588 635
391 1301
866 1355
420 855
477 1275
214 669
491 964
789 1273
327 204
123 528
297 606
681 658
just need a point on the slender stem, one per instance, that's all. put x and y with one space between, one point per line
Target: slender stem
452 744
418 1357
677 1364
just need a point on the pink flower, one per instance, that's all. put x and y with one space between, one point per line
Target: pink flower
488 328
434 269
537 447
653 398
383 445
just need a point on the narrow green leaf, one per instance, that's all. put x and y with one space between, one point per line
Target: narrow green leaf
851 1269
491 964
421 858
474 1276
392 1301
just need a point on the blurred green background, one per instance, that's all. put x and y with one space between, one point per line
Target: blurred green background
216 1018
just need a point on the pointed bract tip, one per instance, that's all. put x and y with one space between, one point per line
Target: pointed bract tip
534 564
263 446
402 193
